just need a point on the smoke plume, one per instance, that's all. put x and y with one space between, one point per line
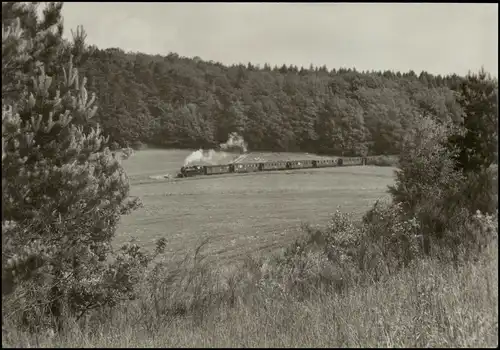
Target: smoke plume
235 142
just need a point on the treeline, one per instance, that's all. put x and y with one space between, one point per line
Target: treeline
184 102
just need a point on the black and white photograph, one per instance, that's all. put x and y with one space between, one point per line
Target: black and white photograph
249 175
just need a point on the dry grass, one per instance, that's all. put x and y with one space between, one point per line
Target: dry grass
427 305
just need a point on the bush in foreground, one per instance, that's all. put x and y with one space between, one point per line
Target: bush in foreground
441 197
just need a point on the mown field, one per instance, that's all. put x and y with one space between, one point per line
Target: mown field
242 213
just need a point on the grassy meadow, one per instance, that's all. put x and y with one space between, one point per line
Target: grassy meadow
240 213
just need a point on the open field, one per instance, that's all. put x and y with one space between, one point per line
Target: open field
240 213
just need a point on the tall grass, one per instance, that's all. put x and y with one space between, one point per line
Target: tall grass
426 304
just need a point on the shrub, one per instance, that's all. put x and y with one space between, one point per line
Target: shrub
127 152
391 240
138 145
426 180
321 260
441 197
114 146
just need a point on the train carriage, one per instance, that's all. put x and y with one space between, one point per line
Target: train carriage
217 169
325 163
351 161
246 167
300 164
346 161
273 166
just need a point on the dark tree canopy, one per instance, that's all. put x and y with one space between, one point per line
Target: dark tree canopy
478 146
184 102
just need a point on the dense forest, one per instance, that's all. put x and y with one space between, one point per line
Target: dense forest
184 102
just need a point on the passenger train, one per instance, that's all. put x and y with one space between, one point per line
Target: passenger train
196 170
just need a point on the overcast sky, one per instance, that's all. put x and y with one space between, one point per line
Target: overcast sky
438 38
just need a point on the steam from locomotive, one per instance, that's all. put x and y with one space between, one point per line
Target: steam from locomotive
211 157
235 142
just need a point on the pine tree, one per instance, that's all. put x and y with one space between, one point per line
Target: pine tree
63 191
478 145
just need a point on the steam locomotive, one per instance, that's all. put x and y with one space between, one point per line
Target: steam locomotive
196 170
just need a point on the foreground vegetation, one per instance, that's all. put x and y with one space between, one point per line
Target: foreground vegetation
418 270
426 305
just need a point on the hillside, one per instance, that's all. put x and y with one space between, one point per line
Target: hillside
179 102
